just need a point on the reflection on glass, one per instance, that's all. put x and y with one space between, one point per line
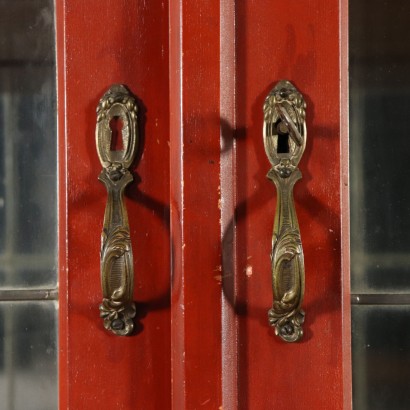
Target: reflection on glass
28 356
381 354
28 141
379 140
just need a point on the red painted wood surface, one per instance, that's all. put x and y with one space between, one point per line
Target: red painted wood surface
298 41
202 71
101 43
195 206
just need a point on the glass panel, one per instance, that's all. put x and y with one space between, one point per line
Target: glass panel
28 355
380 149
381 354
28 141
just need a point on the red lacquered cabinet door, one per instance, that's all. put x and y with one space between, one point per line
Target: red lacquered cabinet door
201 209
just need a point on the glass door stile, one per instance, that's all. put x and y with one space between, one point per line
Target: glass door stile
380 224
28 211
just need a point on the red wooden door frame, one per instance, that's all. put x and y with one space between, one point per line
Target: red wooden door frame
202 70
101 43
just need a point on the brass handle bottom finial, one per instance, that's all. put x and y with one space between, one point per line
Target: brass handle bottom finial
284 136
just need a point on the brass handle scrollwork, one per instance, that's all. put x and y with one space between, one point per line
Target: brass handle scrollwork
117 271
284 136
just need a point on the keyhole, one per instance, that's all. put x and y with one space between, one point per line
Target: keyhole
116 125
283 138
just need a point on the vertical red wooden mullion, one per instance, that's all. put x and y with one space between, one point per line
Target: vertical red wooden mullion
101 43
272 40
298 41
195 207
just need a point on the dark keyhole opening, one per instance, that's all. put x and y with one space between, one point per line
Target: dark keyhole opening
283 138
116 125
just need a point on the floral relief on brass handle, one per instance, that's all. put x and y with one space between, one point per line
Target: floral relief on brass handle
284 136
117 272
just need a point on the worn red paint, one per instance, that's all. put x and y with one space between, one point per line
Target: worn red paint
206 342
298 41
101 43
195 130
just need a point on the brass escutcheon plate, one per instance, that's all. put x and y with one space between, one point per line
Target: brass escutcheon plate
284 137
117 271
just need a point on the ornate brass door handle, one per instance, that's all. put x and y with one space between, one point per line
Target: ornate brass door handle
284 136
117 271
